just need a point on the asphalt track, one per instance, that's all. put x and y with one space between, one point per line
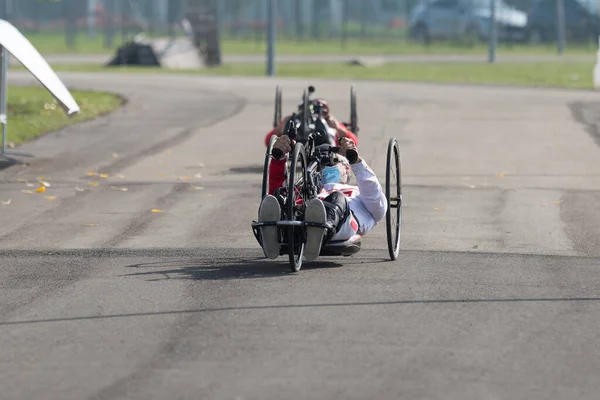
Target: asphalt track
495 294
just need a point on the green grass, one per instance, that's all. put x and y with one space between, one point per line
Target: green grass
54 43
390 47
575 75
33 112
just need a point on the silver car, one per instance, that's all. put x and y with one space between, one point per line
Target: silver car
452 19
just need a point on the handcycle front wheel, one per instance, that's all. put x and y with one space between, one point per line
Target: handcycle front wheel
297 189
267 165
353 111
305 115
393 194
277 116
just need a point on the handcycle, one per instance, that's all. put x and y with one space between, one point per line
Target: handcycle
303 182
308 118
352 125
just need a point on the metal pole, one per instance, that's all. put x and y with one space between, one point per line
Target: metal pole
346 14
91 19
3 96
560 15
299 20
109 22
271 37
493 33
122 5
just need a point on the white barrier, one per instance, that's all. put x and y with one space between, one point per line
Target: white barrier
12 41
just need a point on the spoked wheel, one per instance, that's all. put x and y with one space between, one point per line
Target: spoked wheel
393 193
353 111
295 205
265 181
305 115
277 117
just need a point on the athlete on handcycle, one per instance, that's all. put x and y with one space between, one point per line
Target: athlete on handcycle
337 129
349 210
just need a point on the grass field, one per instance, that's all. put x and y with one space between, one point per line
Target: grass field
576 75
53 43
32 111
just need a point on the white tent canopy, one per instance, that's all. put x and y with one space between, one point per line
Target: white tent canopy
22 49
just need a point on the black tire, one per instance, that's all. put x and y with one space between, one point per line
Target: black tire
353 111
305 116
393 194
277 116
268 157
296 180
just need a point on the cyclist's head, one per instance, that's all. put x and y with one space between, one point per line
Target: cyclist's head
315 106
339 172
322 106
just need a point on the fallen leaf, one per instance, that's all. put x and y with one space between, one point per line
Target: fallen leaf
27 191
198 187
160 175
21 180
79 189
91 225
119 188
115 155
41 189
92 173
93 184
183 178
155 210
29 184
198 176
5 203
438 209
557 202
104 176
51 198
44 183
11 145
120 176
201 165
500 175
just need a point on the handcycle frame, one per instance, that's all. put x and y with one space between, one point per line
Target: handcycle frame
310 120
292 232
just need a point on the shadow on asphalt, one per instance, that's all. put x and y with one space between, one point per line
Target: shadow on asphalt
223 268
227 264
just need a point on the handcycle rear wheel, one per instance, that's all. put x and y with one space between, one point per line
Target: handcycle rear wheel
267 164
277 116
393 194
305 115
297 189
353 111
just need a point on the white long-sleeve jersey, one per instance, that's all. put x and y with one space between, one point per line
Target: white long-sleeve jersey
366 201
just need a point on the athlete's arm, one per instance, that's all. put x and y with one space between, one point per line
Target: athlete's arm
371 192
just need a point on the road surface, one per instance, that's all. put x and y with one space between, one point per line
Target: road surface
495 294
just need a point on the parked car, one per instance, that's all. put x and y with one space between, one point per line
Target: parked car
582 21
449 19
